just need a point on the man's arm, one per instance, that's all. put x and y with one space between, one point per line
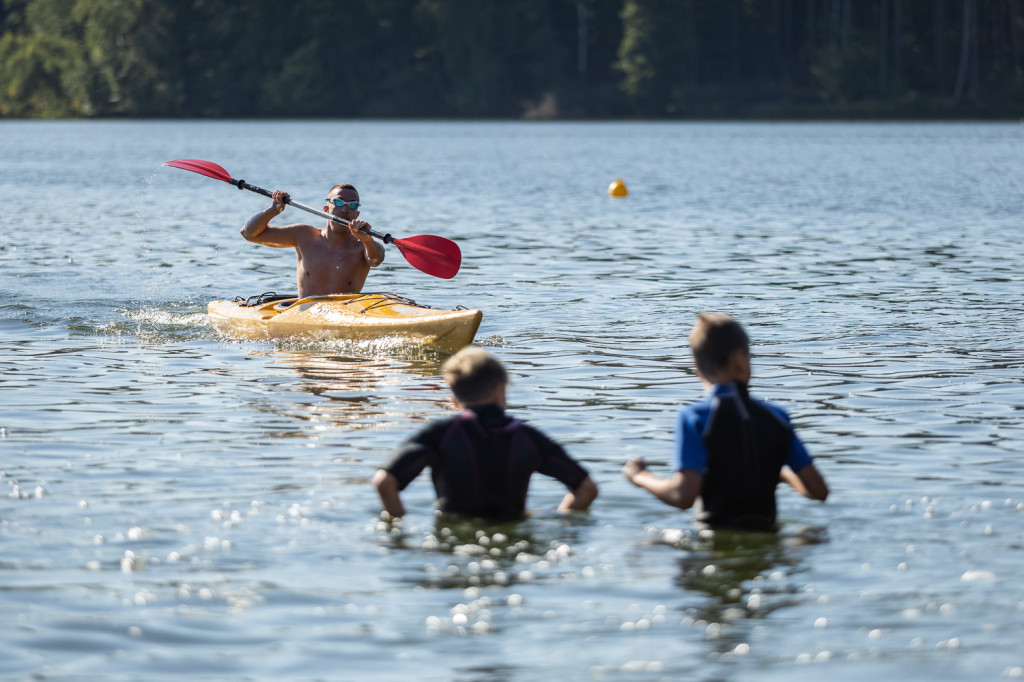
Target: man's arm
808 481
679 490
387 489
256 229
582 497
373 250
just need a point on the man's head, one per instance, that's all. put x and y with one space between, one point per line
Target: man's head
475 376
720 348
343 201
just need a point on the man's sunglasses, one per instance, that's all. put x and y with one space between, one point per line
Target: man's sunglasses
337 201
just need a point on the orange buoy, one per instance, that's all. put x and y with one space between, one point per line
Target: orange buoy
617 188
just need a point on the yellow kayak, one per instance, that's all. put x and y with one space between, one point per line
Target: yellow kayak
345 316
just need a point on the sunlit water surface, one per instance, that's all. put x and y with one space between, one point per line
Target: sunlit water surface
181 505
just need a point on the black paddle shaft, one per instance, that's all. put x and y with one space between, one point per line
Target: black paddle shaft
242 184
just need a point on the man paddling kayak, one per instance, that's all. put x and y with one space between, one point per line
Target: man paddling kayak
334 259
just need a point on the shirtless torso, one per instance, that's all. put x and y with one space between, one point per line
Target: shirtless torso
334 259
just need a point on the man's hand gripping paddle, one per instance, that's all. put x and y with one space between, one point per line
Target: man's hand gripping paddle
427 253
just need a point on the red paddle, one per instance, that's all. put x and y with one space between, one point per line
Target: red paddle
428 253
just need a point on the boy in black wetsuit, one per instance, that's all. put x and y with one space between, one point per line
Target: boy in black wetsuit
731 449
481 460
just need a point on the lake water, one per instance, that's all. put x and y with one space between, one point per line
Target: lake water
181 505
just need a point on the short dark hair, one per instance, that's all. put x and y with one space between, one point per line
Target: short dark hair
714 339
473 374
343 185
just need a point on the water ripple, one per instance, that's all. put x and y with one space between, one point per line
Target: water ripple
181 504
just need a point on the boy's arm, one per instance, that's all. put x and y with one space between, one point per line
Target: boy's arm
808 481
680 490
581 498
387 489
405 464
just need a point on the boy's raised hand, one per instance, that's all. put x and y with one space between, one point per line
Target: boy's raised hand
634 467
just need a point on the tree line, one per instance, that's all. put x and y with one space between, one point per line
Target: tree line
511 58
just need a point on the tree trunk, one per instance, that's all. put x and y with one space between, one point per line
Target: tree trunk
777 32
966 49
883 46
812 28
833 25
940 45
734 31
897 42
1017 67
845 37
581 39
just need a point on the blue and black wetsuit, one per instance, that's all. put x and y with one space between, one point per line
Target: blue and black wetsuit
739 444
481 462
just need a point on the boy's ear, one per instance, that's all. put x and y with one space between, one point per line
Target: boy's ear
739 365
499 395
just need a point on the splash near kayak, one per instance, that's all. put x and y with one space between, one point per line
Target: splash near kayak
344 316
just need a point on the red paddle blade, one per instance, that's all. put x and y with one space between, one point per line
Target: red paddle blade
207 168
431 254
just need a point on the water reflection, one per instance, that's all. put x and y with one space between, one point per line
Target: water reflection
356 393
736 569
466 553
885 303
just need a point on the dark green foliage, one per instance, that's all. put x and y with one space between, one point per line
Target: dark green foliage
511 58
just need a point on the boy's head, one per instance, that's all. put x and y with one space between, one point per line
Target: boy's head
474 375
715 341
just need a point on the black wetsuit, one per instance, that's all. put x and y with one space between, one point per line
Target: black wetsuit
739 444
481 462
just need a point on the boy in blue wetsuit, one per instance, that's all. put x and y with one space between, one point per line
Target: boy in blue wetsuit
481 460
731 449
